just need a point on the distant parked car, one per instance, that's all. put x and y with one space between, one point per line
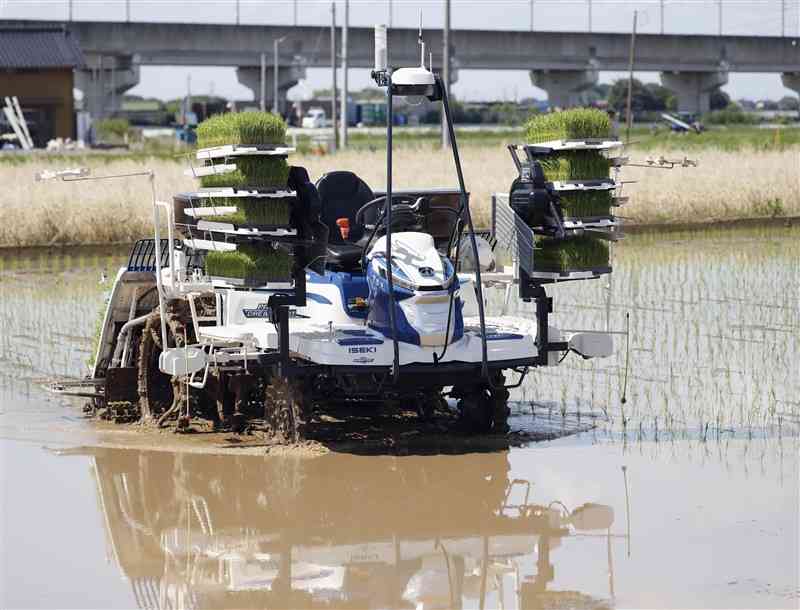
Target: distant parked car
315 118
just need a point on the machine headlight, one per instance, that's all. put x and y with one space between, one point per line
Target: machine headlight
448 273
398 281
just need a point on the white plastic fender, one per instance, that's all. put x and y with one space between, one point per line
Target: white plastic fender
179 361
592 345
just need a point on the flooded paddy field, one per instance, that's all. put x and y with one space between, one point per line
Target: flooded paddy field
680 489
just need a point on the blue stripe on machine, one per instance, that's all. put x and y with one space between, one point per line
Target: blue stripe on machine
360 341
318 298
503 336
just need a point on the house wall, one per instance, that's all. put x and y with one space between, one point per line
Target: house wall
43 93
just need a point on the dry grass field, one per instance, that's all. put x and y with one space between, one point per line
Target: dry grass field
726 185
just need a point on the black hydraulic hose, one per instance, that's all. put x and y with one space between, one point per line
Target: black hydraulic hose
465 204
452 291
365 249
388 206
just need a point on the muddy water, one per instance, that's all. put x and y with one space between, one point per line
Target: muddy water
684 496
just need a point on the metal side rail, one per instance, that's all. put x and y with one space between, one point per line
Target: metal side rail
84 388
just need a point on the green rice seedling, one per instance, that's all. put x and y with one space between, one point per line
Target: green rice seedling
256 172
578 123
253 211
575 165
253 264
255 128
577 254
579 204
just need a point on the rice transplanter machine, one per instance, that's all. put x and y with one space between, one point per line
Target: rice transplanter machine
382 298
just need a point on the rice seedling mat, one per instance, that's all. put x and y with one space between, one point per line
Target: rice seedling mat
242 150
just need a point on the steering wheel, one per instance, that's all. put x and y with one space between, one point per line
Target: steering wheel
407 202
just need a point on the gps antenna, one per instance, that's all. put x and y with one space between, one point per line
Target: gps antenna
421 42
381 61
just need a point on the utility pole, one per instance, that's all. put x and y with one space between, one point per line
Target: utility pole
333 76
237 12
295 12
532 15
263 83
446 71
783 18
719 15
343 137
275 71
70 10
390 13
662 16
113 87
127 11
628 114
187 103
590 15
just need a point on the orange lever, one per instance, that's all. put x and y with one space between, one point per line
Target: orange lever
344 227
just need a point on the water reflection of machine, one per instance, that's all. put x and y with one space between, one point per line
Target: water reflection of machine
204 531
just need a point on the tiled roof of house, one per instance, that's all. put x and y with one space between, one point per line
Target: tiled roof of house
38 48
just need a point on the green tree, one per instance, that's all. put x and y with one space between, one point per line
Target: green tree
789 102
666 98
719 99
642 98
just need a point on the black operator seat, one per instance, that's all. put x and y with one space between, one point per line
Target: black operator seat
341 195
306 217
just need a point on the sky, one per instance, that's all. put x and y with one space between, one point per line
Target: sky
755 17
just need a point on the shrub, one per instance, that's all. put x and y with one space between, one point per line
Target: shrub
732 115
257 128
577 123
112 129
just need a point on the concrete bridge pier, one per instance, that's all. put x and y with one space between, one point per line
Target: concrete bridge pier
105 80
791 80
288 77
564 87
693 89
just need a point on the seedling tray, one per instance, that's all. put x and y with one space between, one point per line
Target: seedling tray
244 230
255 193
242 150
553 146
603 184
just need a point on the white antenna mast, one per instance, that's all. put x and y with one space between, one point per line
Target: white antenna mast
421 42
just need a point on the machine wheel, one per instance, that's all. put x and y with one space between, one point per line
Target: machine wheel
160 395
287 408
476 411
430 403
500 410
484 410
